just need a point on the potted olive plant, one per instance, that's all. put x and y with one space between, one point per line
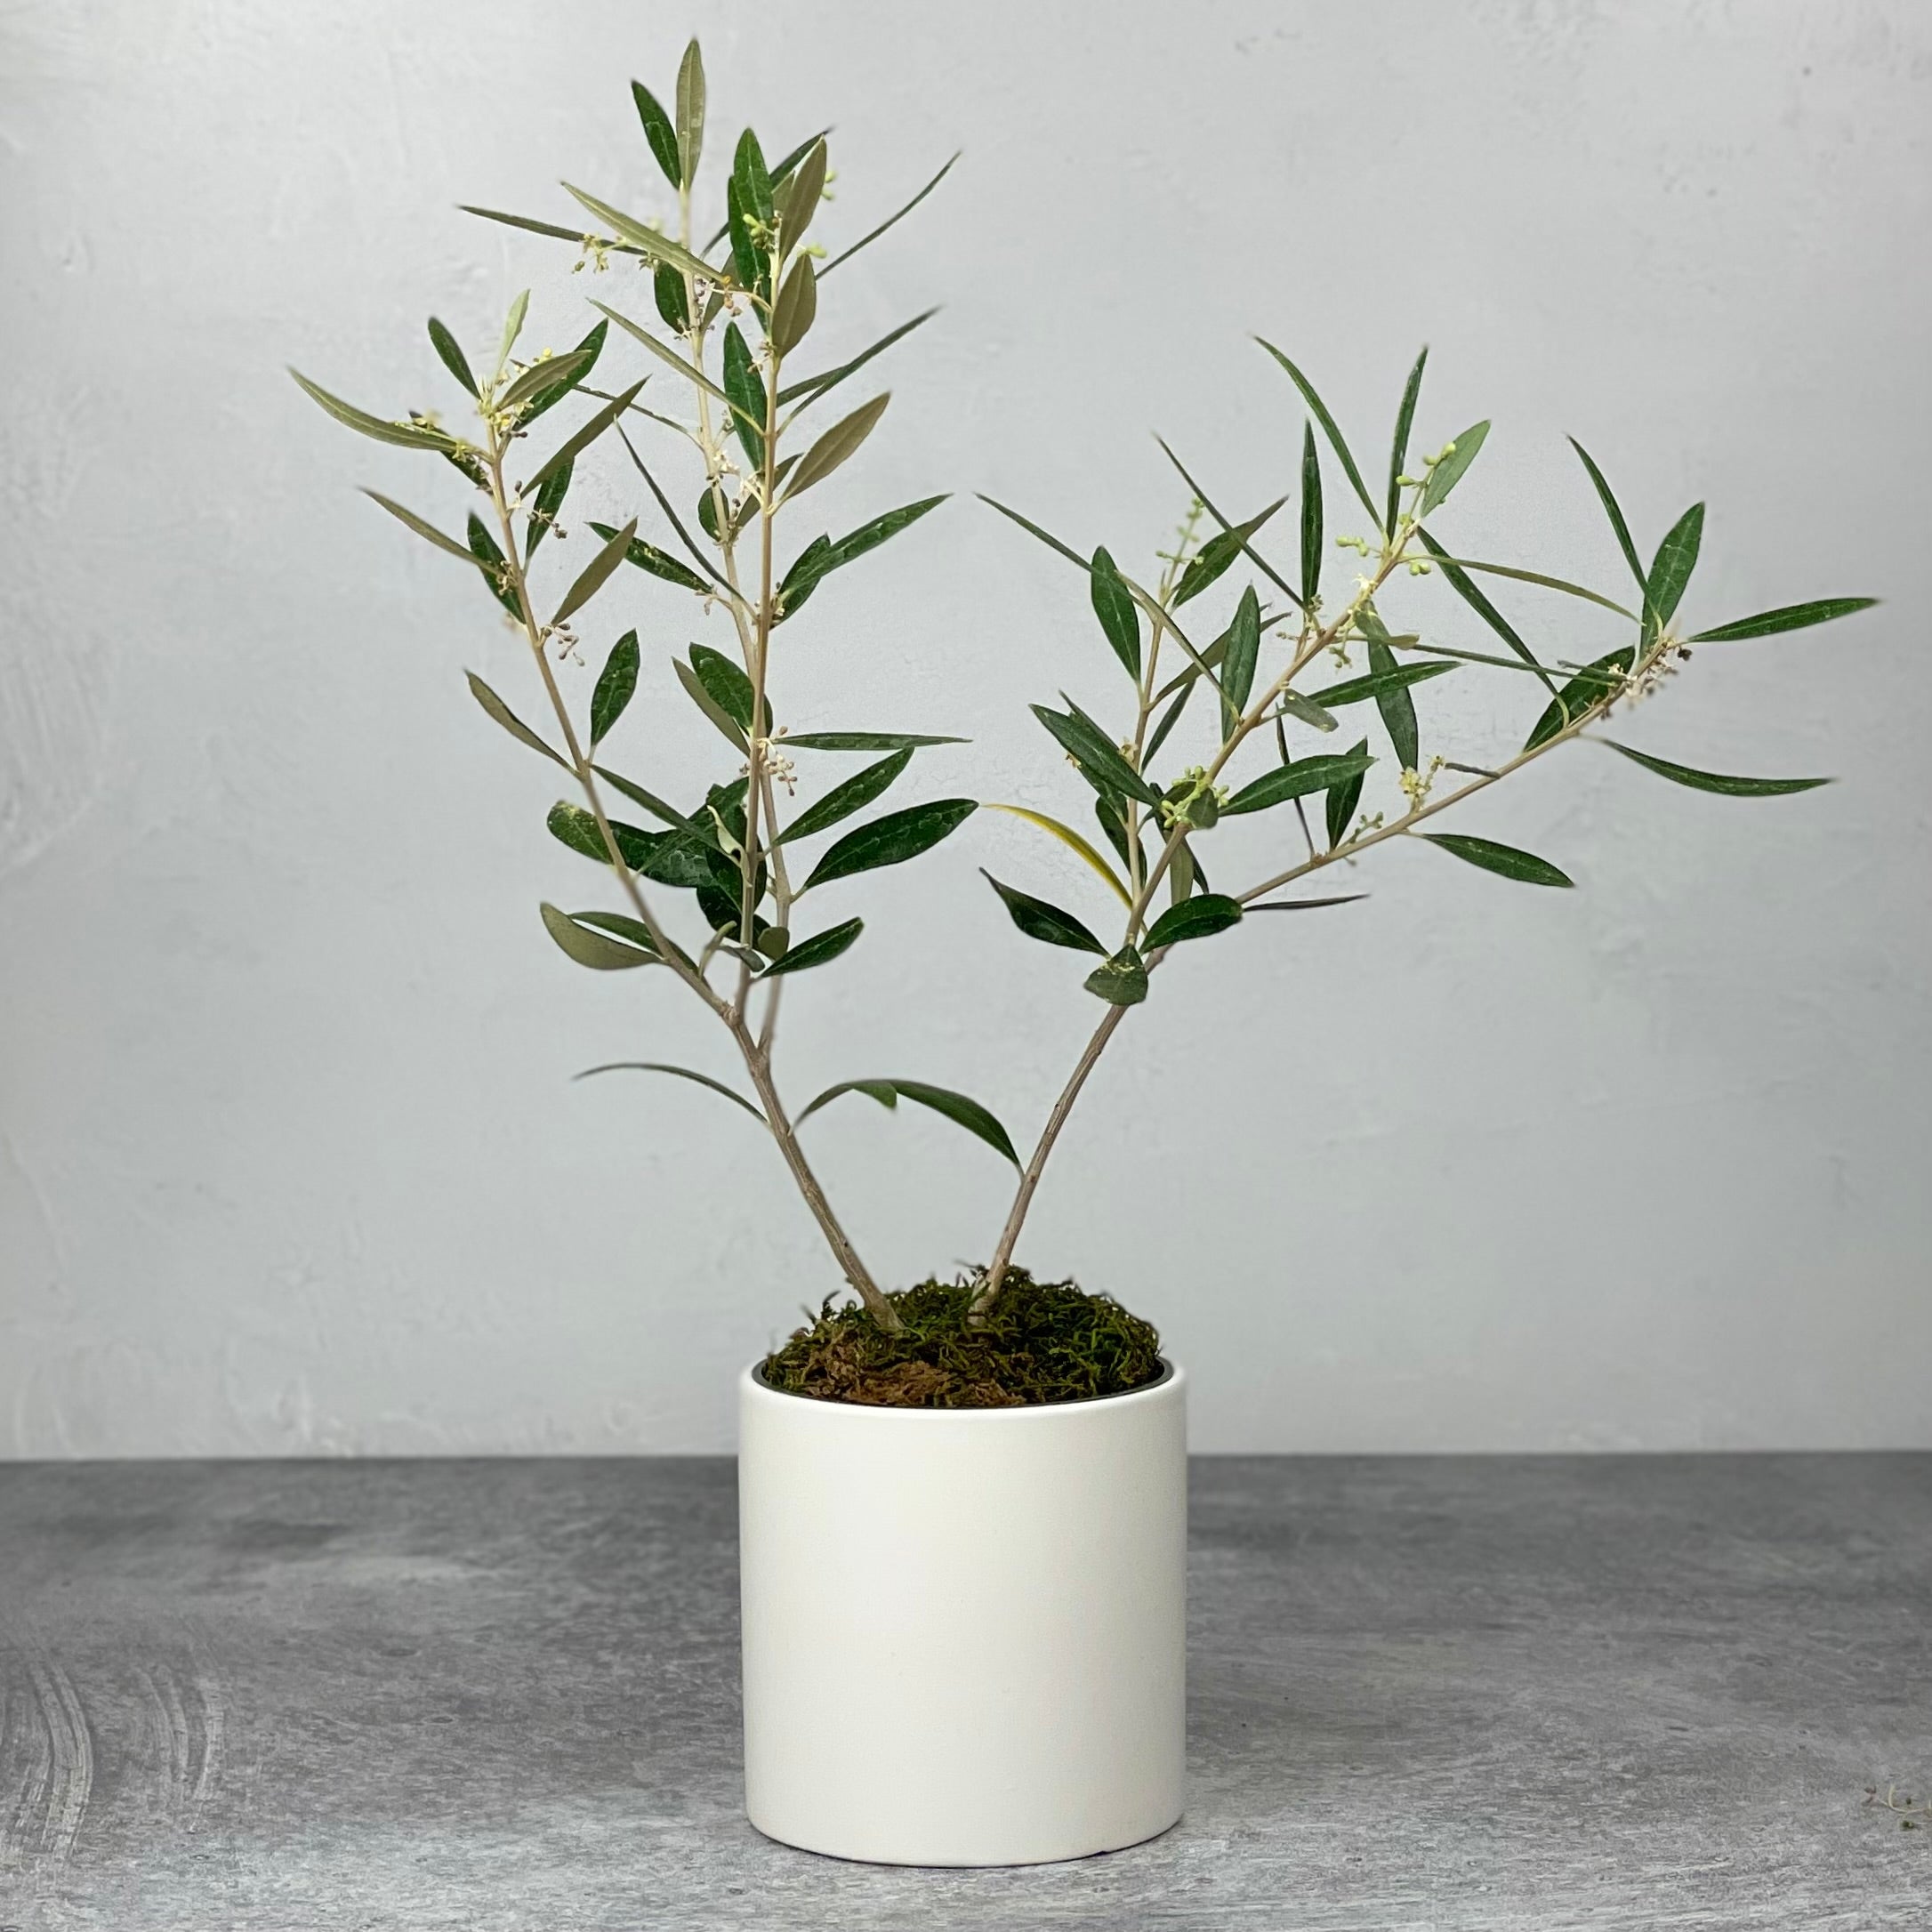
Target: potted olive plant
963 1503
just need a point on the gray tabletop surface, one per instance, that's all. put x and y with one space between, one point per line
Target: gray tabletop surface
1518 1694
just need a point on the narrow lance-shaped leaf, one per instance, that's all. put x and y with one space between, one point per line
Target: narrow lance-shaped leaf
1713 781
796 308
752 178
592 577
681 1072
1198 918
1297 704
508 719
566 381
1788 618
1217 554
1504 860
1398 455
862 741
1247 549
668 291
570 824
1237 667
866 241
1114 606
422 530
694 690
803 195
727 684
1396 705
892 839
451 354
1319 410
1355 690
1072 840
588 946
659 132
1345 794
691 111
664 353
802 578
404 435
1297 779
957 1107
650 801
748 262
1670 569
614 685
1169 719
573 446
785 169
822 557
839 442
1465 587
543 375
641 237
1450 472
1039 920
1033 529
1121 980
1542 578
853 795
812 387
1311 516
745 388
530 225
816 950
621 926
1304 905
518 309
1613 511
1094 751
648 558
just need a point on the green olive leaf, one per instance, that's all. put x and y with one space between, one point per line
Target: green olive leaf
1505 860
892 839
615 683
956 1108
659 132
1038 920
1712 781
816 950
1121 980
1196 918
843 800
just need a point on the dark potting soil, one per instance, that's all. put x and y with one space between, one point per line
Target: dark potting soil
1041 1341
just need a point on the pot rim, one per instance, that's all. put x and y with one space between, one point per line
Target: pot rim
1172 1376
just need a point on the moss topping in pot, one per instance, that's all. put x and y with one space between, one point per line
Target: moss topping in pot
1042 1341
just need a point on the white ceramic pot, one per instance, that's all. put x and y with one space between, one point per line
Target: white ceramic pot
965 1629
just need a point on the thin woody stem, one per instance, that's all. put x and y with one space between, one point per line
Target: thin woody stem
1029 1180
755 1052
580 762
1312 640
1410 819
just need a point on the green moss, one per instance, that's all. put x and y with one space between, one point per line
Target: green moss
1041 1341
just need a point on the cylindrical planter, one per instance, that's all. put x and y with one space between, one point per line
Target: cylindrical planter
965 1629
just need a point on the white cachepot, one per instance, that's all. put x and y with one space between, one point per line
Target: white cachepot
965 1629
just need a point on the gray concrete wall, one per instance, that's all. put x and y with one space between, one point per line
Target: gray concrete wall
291 1162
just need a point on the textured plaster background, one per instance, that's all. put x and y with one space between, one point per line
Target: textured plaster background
289 1157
